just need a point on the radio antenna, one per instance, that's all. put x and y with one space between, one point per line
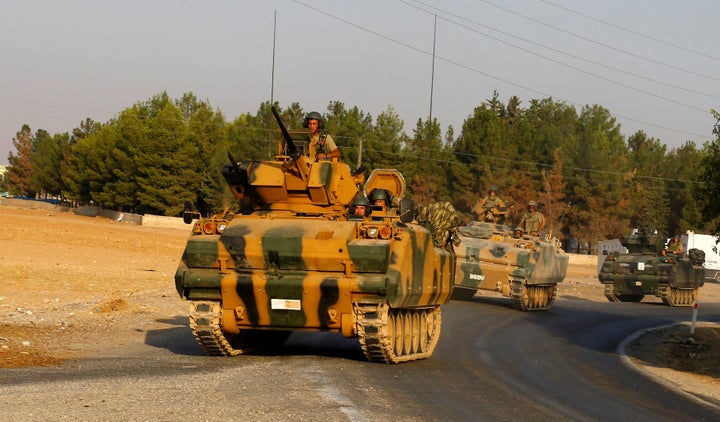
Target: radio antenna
272 77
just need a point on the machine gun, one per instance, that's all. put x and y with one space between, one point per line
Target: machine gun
291 147
296 158
495 214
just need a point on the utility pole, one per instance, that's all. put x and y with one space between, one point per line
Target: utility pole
427 141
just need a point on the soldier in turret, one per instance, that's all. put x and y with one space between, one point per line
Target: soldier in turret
491 208
675 246
379 198
533 222
359 207
322 146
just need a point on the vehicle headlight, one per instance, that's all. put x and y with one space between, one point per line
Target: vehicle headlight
221 227
372 231
209 227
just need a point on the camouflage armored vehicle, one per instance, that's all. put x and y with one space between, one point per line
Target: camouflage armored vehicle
643 267
494 257
295 261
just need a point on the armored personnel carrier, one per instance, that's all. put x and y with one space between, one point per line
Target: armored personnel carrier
494 257
641 266
295 261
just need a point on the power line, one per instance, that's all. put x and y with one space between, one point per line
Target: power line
471 69
583 71
650 37
559 52
590 40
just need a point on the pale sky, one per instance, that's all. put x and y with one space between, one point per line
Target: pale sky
652 63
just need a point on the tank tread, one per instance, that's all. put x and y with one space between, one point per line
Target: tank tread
205 326
610 293
398 335
673 296
532 298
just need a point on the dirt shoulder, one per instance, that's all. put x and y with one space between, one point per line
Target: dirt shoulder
75 285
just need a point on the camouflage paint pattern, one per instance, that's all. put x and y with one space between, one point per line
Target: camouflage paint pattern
490 258
647 269
644 270
307 274
637 273
294 261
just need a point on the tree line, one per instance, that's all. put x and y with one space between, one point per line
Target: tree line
590 182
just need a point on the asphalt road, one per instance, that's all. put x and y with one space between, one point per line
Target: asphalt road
492 363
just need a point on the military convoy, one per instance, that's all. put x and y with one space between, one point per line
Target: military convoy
494 257
294 261
638 265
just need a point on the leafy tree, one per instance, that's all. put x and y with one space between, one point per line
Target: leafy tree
47 159
114 184
553 196
546 126
600 197
682 172
709 189
158 153
348 127
86 128
208 135
150 159
85 170
382 146
257 137
485 165
165 173
20 171
646 163
425 164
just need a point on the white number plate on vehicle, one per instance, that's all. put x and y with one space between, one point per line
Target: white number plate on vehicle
288 304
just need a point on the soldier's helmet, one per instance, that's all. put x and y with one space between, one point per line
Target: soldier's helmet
493 188
315 116
361 200
379 194
532 204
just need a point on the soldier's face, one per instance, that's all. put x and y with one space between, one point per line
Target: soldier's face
313 125
360 209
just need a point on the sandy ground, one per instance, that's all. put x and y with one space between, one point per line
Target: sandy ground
73 285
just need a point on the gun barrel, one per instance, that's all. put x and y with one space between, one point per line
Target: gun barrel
286 136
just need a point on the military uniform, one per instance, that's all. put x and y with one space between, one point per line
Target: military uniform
441 219
322 143
483 209
675 247
490 202
532 223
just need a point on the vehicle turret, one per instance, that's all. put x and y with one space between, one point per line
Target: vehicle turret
293 260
